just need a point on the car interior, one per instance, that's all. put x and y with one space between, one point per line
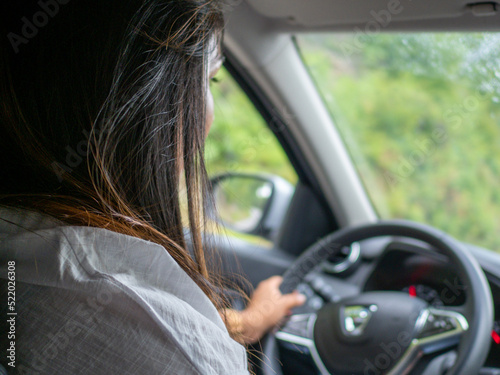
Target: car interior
354 153
391 289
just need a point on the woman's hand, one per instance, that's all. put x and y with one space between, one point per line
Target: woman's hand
267 307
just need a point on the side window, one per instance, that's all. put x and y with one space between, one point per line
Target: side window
241 144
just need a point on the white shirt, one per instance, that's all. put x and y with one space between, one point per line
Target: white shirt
91 301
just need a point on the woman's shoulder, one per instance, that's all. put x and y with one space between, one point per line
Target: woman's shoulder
122 294
109 327
71 257
54 249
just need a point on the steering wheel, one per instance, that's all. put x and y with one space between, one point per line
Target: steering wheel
387 332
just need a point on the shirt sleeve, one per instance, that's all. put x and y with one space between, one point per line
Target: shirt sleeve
91 301
109 332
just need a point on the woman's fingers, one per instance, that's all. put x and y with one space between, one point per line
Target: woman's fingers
292 300
275 281
267 307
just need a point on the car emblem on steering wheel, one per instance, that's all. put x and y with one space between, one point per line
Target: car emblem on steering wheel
356 318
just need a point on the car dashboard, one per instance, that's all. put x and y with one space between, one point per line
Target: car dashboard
398 264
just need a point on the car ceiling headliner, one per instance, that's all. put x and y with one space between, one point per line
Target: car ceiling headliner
404 15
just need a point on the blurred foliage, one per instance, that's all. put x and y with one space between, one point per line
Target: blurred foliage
420 115
240 140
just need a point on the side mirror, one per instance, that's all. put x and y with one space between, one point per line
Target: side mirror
251 204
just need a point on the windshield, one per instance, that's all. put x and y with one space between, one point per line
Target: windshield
420 115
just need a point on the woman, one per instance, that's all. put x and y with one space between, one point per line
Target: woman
105 109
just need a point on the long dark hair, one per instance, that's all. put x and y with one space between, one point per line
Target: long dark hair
103 113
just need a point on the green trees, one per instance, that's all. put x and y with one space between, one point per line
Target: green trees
421 118
240 140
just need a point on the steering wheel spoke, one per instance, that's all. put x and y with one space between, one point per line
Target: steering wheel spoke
299 326
440 329
297 333
461 309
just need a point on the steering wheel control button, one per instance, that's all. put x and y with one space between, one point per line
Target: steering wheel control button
317 284
442 321
315 303
305 290
322 288
298 325
328 293
437 324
